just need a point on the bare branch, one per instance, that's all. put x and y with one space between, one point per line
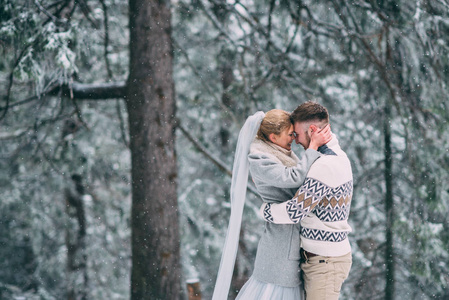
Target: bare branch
79 91
203 150
94 91
87 12
221 165
13 135
370 53
46 12
216 23
11 81
208 89
122 123
106 38
270 14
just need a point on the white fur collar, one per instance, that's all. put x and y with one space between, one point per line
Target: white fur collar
285 157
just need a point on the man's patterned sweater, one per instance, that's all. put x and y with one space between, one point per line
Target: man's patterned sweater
321 204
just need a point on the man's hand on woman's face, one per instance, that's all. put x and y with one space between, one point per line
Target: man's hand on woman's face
321 136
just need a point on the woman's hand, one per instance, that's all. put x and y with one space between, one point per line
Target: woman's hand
320 137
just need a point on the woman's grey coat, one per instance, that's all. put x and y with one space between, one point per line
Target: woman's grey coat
277 259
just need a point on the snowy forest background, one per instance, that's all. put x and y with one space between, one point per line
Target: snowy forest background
381 67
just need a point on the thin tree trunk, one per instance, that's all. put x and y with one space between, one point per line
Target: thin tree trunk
389 209
151 113
227 78
76 241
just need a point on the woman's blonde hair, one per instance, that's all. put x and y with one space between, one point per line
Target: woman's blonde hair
275 121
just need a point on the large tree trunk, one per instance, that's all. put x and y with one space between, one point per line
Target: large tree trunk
151 112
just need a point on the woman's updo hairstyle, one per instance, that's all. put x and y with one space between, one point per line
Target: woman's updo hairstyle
275 121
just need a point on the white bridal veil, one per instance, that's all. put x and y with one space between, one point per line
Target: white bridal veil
238 196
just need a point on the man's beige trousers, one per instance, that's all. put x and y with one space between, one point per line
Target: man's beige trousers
324 275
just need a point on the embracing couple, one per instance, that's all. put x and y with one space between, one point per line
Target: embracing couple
306 207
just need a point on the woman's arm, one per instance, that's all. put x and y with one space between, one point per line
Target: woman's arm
271 172
296 209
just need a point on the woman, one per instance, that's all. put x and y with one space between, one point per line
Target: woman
277 174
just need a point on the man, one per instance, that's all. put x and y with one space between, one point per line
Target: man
322 206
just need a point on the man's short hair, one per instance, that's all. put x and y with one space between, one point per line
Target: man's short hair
310 111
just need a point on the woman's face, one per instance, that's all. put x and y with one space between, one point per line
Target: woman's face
284 139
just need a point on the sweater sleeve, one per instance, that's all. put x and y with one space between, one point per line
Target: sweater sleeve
296 209
271 172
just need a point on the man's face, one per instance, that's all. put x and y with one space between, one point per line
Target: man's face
302 136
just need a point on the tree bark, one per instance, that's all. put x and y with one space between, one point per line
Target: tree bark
227 78
389 208
76 241
150 102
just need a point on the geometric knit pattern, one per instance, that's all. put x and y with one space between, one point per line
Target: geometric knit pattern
321 235
328 204
326 198
267 213
307 197
336 204
332 216
313 188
